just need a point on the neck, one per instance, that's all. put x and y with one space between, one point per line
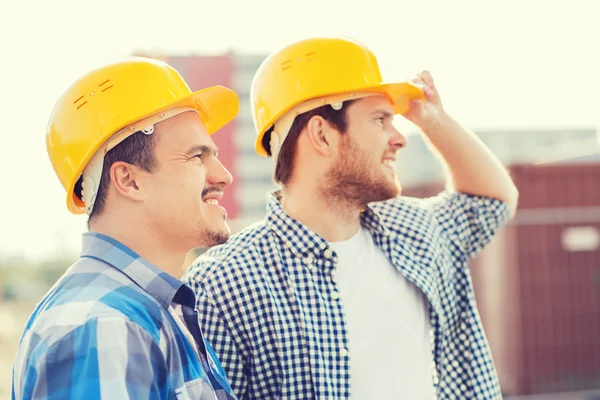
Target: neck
139 237
333 219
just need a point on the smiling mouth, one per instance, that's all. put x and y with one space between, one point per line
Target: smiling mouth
214 202
212 195
389 163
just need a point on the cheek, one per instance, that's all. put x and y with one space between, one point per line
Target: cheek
370 150
371 139
179 186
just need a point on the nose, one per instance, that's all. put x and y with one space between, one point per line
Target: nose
397 139
218 175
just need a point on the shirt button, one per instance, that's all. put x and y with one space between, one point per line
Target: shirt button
309 259
343 352
335 295
310 267
328 253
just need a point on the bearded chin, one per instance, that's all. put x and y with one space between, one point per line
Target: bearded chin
207 237
359 190
356 181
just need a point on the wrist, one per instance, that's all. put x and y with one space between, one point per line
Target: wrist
442 123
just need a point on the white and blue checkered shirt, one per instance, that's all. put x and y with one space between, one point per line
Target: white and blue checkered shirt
268 304
116 327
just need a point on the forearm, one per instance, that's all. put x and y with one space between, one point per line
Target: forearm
472 167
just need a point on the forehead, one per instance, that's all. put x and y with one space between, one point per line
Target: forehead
182 131
371 104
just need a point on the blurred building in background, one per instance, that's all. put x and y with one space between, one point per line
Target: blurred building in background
417 165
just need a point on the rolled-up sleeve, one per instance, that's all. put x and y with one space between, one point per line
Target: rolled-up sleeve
469 220
110 358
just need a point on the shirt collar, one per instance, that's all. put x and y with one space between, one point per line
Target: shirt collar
157 283
299 238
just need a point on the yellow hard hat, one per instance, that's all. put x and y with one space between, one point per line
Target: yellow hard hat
317 69
110 99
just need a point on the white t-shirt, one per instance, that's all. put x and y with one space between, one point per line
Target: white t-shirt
388 324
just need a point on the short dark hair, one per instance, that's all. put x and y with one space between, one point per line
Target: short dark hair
137 149
285 160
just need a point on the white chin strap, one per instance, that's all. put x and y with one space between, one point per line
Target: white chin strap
283 125
92 172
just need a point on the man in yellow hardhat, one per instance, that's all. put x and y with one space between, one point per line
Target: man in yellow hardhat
131 145
347 289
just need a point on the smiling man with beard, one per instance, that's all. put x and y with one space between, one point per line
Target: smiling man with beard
347 289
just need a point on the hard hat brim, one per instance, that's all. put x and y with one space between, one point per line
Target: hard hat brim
216 105
400 95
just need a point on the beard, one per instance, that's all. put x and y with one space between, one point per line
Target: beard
207 236
355 180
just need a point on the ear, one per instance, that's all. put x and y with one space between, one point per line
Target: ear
125 179
320 135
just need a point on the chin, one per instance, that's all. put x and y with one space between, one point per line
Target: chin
210 236
390 185
213 238
393 193
393 188
383 192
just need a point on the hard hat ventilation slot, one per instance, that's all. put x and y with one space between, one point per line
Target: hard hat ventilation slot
104 83
289 63
80 105
286 65
311 56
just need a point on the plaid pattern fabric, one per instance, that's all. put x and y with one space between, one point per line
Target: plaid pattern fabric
269 306
115 327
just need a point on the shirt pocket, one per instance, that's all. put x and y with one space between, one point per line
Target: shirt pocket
198 389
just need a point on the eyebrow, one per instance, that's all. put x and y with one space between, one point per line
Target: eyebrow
204 149
382 112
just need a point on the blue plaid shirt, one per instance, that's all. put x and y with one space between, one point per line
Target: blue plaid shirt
270 308
116 327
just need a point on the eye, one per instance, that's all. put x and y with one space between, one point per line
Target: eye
380 120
